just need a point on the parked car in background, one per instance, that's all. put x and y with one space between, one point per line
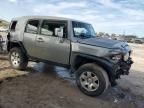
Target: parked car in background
138 41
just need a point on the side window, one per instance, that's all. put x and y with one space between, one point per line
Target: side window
32 26
49 27
13 25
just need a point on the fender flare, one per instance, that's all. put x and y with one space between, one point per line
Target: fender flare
16 44
102 62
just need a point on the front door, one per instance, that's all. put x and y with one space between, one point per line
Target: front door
51 47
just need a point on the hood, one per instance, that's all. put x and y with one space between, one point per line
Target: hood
105 43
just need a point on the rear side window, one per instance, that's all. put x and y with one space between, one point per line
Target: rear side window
32 26
13 25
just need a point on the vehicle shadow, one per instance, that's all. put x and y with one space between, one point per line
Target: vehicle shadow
44 68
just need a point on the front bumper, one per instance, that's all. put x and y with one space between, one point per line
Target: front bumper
123 67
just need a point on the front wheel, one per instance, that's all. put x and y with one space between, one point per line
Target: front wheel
92 79
18 59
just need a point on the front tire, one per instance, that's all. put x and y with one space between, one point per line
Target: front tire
91 79
18 59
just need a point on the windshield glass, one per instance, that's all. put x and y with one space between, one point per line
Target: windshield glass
83 30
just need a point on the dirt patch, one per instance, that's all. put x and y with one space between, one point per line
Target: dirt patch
40 90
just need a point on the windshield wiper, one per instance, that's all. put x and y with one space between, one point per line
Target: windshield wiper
90 36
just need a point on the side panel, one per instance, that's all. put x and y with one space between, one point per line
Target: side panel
52 49
29 43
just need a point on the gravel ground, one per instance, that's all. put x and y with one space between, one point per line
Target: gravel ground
44 86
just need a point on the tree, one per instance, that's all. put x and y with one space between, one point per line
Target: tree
106 34
100 34
113 35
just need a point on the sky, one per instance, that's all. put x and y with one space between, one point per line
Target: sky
111 16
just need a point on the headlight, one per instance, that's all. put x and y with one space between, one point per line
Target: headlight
115 54
116 57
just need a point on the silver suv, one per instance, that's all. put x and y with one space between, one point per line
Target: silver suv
73 44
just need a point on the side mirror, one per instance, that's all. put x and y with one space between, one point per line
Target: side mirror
59 32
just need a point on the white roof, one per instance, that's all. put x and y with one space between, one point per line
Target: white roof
45 17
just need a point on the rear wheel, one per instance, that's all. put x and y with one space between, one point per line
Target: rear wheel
18 59
92 79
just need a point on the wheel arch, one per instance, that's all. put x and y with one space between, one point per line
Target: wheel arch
13 44
81 59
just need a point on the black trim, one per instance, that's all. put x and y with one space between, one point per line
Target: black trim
20 44
114 70
108 65
13 25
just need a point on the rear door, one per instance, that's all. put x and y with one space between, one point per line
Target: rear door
30 34
51 47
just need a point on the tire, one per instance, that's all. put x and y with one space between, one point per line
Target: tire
18 59
92 80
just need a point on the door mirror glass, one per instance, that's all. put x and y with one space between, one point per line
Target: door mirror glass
59 32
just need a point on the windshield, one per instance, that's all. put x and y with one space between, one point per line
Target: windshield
83 30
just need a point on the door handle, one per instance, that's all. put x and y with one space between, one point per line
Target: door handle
40 40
